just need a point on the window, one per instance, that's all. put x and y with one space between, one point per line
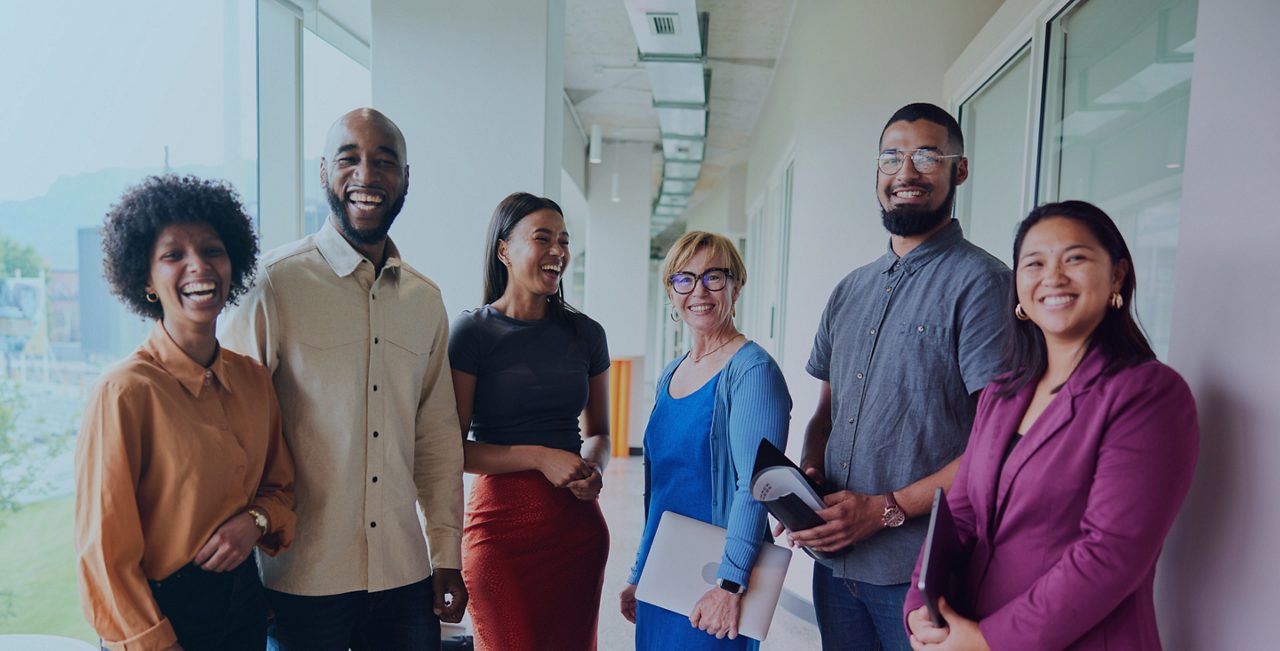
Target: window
994 121
111 92
332 84
1117 90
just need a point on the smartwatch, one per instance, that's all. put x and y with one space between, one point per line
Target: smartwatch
730 586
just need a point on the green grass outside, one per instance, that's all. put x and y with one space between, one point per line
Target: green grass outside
38 592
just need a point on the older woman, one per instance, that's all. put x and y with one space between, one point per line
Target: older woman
526 365
180 465
1080 457
714 404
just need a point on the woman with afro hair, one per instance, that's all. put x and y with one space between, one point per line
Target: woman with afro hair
181 468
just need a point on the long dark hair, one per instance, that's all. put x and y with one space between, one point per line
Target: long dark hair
1118 336
509 212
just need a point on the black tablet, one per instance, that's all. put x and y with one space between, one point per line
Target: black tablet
943 560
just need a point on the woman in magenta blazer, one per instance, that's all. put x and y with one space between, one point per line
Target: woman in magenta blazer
1080 457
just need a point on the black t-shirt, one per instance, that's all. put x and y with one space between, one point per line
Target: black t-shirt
531 376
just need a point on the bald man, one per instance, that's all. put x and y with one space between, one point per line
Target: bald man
357 343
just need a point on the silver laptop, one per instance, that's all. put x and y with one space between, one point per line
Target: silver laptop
682 566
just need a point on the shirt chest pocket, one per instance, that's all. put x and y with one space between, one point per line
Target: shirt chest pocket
404 345
924 354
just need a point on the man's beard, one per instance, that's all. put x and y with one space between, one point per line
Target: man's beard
367 236
908 221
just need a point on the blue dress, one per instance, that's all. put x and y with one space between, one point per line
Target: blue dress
678 446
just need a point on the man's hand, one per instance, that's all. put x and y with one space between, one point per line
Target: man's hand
627 602
449 582
851 518
229 545
589 488
561 467
717 613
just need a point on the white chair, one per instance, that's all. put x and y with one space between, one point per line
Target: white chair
43 643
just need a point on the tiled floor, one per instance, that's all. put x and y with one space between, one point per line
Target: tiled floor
622 503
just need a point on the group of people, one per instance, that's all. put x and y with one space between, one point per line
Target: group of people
336 399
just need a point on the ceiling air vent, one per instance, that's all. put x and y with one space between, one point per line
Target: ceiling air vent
664 24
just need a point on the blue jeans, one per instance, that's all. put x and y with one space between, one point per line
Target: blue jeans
399 618
857 616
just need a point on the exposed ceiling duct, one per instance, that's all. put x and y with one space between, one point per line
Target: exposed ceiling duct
672 40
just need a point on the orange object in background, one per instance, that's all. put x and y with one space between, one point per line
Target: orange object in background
619 405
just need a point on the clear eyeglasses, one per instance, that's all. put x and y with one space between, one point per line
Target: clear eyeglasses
713 279
924 160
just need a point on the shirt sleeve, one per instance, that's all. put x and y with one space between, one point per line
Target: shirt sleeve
115 595
1145 464
599 349
759 407
982 321
275 494
437 467
464 344
819 365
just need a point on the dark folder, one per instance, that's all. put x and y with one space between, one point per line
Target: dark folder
942 561
787 493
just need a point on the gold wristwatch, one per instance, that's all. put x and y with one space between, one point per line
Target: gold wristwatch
259 519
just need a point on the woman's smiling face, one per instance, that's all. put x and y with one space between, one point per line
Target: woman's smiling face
190 273
1065 279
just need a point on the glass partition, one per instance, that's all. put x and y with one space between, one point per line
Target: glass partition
102 95
1117 90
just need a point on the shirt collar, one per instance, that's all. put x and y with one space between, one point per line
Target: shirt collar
343 258
929 249
178 364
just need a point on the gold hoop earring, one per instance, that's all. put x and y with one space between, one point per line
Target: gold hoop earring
1117 301
674 314
152 297
1020 313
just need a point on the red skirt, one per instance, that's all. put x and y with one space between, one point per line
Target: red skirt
533 560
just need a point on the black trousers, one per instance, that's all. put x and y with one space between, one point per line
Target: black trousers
222 611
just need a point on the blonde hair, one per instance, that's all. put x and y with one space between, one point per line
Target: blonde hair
691 243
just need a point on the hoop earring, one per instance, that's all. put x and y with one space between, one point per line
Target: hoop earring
152 297
674 314
1020 313
1117 301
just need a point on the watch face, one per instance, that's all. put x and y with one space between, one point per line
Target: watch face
894 517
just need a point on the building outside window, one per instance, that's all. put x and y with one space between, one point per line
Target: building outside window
103 95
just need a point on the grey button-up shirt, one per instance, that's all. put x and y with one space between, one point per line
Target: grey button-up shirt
906 344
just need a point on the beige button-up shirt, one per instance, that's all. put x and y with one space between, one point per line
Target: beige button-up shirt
361 368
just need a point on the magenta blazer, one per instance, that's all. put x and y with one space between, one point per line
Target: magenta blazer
1063 542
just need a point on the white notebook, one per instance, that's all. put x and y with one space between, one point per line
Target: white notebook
682 566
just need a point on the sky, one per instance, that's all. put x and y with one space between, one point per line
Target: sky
109 83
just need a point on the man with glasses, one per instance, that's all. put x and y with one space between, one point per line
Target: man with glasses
904 346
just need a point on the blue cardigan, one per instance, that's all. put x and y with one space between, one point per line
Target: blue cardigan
752 402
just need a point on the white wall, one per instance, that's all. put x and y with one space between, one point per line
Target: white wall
617 247
478 89
722 211
574 151
1219 586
